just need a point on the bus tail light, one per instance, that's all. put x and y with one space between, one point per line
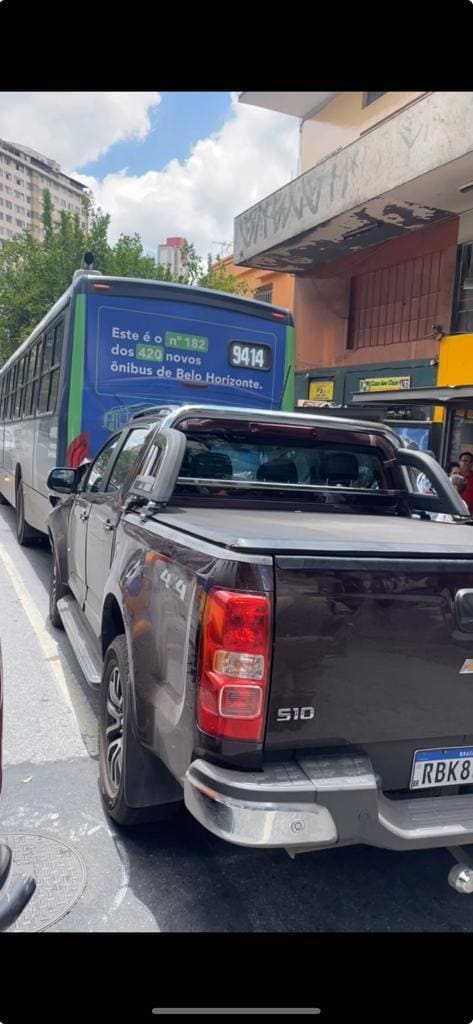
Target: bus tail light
234 665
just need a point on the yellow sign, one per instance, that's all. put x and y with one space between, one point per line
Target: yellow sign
385 384
321 390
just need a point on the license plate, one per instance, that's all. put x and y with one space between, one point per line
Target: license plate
452 766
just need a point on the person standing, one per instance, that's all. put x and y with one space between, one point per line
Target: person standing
466 471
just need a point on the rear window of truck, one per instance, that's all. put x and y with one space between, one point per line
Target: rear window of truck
273 468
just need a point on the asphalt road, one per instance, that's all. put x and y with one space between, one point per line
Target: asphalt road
172 877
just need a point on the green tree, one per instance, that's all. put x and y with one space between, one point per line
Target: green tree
218 277
97 237
33 274
23 295
128 258
191 264
47 216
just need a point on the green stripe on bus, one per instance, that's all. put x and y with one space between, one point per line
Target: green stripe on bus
288 397
74 418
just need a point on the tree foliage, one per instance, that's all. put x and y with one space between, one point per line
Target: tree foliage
34 274
217 276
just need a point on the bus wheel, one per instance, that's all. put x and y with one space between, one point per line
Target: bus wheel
24 532
57 589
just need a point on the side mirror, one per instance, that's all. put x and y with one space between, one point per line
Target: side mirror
63 481
464 610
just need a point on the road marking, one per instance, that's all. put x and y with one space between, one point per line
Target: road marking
66 684
124 875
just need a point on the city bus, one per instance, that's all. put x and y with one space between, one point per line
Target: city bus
111 346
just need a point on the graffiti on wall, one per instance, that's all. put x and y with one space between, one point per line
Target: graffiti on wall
346 202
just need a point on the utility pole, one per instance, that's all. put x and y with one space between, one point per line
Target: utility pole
225 248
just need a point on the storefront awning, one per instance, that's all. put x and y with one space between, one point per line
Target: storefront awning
440 396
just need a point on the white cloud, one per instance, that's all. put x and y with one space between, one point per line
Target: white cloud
76 127
254 154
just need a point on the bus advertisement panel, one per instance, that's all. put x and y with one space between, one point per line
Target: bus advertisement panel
140 352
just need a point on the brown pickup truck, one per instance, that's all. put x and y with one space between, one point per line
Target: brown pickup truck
282 638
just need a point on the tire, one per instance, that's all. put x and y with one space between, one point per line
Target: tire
57 589
25 534
118 746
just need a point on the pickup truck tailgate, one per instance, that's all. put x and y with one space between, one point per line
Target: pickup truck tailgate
372 645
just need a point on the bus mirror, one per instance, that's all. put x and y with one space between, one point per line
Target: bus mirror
63 481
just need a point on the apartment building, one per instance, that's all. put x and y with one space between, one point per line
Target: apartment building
24 175
170 254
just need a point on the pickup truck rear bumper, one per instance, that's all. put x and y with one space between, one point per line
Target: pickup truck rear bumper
316 802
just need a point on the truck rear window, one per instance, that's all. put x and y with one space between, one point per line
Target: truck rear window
277 468
324 465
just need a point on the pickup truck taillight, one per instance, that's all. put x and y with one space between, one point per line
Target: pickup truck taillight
234 664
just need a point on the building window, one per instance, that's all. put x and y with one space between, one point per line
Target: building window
395 304
371 97
264 294
463 299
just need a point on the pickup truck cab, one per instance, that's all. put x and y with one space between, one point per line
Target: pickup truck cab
286 647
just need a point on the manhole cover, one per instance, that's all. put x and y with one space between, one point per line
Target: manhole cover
60 874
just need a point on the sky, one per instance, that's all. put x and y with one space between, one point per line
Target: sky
160 163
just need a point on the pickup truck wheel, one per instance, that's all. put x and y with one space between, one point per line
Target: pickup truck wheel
57 589
118 744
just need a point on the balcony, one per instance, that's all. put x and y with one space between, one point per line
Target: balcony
413 170
297 104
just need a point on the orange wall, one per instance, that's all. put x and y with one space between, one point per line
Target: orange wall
344 120
322 305
283 284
